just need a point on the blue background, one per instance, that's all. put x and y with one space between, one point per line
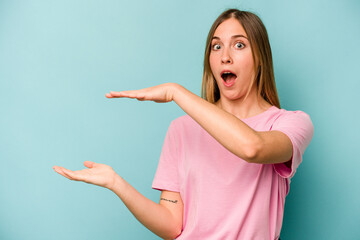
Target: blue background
59 58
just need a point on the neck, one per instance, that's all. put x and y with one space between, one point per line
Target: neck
244 108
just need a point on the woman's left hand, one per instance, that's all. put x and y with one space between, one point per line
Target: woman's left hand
96 173
161 93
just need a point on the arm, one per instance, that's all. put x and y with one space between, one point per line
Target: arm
234 134
228 130
164 219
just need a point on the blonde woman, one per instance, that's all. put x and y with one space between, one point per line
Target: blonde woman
225 167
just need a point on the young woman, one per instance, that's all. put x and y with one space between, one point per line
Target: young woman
225 167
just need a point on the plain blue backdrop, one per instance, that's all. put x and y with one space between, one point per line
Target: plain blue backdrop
59 58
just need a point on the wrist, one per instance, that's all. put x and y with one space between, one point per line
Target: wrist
116 184
176 90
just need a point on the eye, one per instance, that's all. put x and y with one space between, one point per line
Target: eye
239 45
216 47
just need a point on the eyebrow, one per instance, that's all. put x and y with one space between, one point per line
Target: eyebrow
235 36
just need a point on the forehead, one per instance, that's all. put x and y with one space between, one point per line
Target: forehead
228 28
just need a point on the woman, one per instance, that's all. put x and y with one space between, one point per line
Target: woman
225 167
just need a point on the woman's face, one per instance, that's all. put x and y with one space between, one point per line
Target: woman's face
231 59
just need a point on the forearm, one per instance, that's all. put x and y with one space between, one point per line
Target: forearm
152 215
227 129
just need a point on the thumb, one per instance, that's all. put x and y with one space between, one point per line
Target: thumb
89 164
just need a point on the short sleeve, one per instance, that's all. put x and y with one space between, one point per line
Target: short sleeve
167 173
298 126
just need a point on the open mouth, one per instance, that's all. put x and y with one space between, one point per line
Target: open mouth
228 77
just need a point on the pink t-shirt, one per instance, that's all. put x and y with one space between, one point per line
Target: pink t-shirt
224 196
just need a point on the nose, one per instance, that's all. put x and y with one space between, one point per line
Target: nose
226 58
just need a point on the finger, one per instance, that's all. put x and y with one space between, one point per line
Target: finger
129 94
74 175
70 174
60 171
113 95
89 164
141 98
140 95
136 95
122 94
67 176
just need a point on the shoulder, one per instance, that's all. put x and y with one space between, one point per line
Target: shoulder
297 125
292 117
274 116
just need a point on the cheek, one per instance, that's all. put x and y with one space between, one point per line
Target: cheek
212 61
213 64
246 64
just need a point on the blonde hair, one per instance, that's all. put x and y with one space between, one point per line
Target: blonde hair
261 51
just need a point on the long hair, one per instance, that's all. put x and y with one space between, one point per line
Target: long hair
261 52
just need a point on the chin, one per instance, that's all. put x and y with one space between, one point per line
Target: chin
232 97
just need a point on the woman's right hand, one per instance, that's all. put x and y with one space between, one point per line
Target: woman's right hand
96 173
